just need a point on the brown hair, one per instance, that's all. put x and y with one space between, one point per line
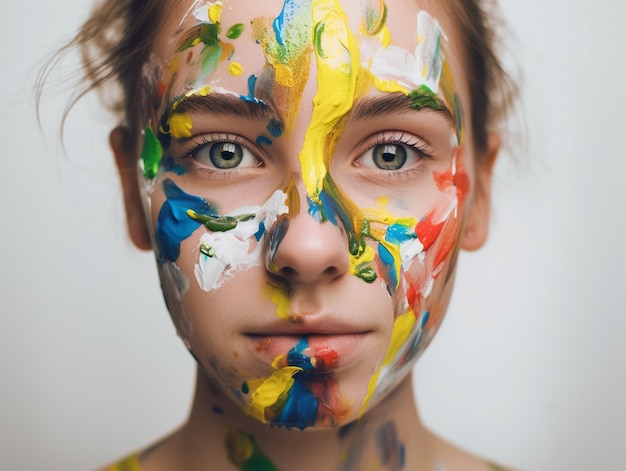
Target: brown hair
116 41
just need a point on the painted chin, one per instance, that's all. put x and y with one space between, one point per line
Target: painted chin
324 352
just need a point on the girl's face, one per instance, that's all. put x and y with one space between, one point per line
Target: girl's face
306 170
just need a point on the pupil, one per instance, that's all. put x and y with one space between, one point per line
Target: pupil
388 156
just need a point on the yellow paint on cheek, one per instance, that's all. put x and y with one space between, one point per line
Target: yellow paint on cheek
281 300
400 333
337 55
235 69
180 125
270 390
357 262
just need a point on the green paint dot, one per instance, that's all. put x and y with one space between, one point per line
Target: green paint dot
151 154
235 31
367 274
424 97
244 388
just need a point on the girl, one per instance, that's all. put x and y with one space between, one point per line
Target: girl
306 172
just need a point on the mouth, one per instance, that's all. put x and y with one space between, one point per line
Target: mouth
308 350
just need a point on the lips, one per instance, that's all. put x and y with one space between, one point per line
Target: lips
308 350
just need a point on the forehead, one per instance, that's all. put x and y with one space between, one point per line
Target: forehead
181 19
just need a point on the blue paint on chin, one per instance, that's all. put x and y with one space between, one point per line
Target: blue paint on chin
300 408
173 224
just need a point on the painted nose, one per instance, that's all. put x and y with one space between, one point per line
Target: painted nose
304 250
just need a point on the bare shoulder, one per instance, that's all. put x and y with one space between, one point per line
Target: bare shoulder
453 458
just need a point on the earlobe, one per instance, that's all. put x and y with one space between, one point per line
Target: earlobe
126 162
476 228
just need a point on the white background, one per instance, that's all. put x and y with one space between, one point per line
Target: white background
528 368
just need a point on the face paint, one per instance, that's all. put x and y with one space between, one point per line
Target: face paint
295 395
245 454
250 81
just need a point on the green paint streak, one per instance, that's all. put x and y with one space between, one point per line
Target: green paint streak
317 39
375 19
495 467
244 452
235 31
218 223
424 97
151 154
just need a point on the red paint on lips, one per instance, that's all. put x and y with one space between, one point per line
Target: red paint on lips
325 350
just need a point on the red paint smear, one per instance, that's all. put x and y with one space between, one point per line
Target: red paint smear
325 358
160 89
332 409
426 231
460 180
189 57
448 241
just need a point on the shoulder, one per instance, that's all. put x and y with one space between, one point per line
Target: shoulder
453 458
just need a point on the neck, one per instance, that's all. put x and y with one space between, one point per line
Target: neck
385 438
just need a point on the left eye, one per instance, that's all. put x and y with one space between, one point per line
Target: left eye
224 155
388 156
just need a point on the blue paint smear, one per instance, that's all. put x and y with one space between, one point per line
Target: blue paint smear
263 140
250 97
295 357
402 455
388 263
300 408
279 21
169 164
397 234
276 236
173 224
275 128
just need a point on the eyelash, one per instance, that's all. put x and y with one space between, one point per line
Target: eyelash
420 146
197 143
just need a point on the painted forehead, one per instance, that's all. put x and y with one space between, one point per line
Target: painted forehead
267 60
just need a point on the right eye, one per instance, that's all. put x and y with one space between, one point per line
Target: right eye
224 155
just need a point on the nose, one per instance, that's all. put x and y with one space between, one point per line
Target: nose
305 250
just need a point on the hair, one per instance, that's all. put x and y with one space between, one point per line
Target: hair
116 41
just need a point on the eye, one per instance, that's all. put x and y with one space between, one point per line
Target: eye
389 156
394 151
224 155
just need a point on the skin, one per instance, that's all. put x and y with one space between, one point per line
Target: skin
317 311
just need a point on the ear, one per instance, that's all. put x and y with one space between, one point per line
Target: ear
476 227
126 161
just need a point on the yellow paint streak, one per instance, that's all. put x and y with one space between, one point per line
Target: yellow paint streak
235 69
402 328
215 12
281 300
284 75
269 390
359 261
384 36
337 69
180 125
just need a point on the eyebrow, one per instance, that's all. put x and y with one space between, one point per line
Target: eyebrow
222 104
391 103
